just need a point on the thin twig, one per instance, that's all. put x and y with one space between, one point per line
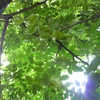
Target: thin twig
60 47
80 22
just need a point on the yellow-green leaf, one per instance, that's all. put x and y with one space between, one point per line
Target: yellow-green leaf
63 59
39 69
29 79
39 63
57 34
32 19
45 36
44 28
17 20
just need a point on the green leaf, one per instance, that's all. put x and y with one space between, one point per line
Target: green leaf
39 63
64 77
32 19
2 87
66 95
46 95
94 64
98 90
17 20
67 84
31 29
34 89
52 70
45 36
29 79
55 84
77 69
70 17
69 70
38 69
67 37
63 60
45 79
57 34
44 28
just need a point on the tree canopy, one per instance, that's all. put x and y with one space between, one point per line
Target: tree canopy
41 40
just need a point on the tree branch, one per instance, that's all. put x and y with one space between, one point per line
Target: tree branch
1 44
80 22
22 10
2 38
71 52
60 47
66 28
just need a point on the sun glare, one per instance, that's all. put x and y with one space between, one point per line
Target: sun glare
4 60
78 80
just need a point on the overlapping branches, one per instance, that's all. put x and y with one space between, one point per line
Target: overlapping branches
9 16
6 16
70 26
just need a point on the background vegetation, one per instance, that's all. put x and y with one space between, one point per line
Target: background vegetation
45 39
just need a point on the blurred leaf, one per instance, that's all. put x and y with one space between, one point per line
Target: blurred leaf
77 83
69 70
98 90
34 89
52 70
66 95
55 84
44 28
46 95
39 63
32 19
45 79
45 36
57 34
70 17
67 84
64 77
2 87
77 69
17 20
63 60
31 29
67 37
29 79
94 64
0 94
38 69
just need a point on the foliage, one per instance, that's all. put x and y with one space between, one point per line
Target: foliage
45 38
